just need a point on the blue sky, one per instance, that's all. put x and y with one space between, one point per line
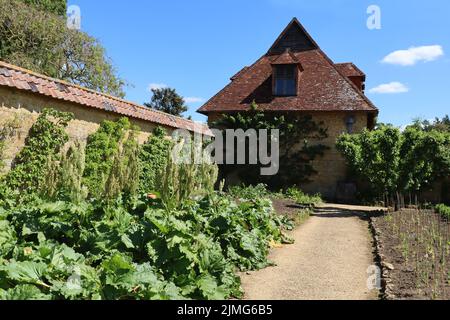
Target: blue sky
195 46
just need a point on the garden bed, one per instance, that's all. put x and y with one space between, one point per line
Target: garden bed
286 207
414 249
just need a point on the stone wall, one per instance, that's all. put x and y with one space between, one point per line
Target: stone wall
27 106
331 167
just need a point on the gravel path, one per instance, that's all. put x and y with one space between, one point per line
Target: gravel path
328 261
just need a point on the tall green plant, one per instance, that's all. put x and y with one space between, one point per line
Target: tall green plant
153 160
181 181
124 175
64 178
101 150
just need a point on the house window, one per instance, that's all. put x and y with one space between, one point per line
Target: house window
285 80
350 123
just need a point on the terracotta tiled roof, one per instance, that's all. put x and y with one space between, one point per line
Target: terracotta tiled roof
348 69
322 86
22 79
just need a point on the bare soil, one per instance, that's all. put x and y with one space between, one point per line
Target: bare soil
286 207
416 244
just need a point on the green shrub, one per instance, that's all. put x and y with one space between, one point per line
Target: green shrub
443 210
249 192
302 198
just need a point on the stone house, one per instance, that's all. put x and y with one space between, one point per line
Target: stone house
295 77
24 94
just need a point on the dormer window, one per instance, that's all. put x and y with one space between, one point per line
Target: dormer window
285 80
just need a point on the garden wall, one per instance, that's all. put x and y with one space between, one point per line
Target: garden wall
27 107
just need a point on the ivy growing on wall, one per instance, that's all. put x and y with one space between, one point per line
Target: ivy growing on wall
153 159
297 153
101 151
45 140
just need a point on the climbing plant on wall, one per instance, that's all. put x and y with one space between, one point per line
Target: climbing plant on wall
44 142
297 149
101 150
153 159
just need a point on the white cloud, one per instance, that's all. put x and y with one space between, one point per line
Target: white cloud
393 87
414 55
157 86
193 100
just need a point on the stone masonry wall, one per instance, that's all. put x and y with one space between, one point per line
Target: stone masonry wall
331 167
27 106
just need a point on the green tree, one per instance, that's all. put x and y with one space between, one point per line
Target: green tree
167 100
374 156
58 7
437 124
394 163
40 41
